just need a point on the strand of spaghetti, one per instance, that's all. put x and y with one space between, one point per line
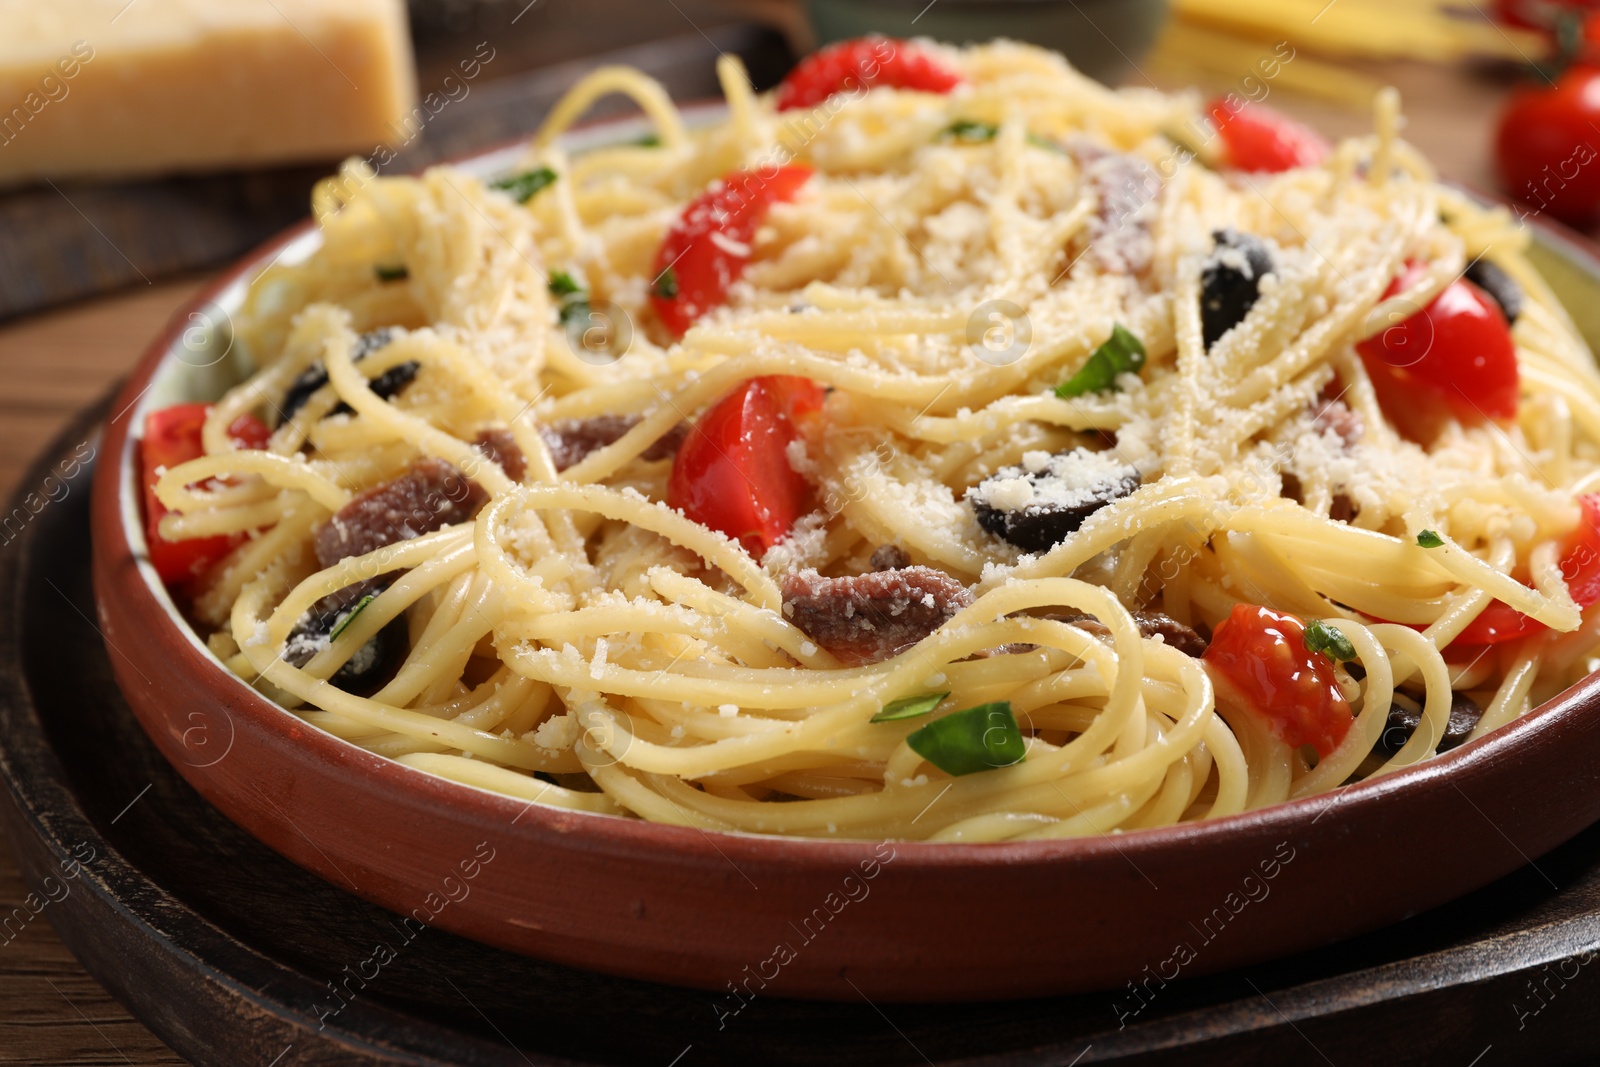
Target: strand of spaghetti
1074 414
1424 740
1377 694
1511 695
645 91
355 389
626 505
1172 500
446 545
508 783
761 623
221 521
257 556
1551 605
840 698
248 398
744 118
285 472
383 609
432 670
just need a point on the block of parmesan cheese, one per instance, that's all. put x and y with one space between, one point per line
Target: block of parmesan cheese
113 88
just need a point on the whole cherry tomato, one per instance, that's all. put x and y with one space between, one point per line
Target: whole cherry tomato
1547 143
1262 140
863 62
1258 660
171 437
707 248
732 472
1454 355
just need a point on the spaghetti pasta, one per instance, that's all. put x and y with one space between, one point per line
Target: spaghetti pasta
952 259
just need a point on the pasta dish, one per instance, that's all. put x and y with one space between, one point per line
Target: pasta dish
941 446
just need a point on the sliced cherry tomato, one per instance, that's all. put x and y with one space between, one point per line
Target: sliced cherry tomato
1261 140
707 248
171 437
732 472
1545 147
863 62
1457 350
1580 566
1259 660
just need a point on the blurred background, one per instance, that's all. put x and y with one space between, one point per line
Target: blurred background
144 144
188 132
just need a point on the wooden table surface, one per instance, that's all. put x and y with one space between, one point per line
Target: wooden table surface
53 365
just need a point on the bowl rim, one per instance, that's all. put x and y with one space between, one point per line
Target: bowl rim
625 835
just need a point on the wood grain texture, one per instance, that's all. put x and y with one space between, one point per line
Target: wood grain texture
51 367
51 1011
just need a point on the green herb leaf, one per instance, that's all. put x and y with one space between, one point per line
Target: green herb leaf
1328 638
1046 143
666 286
1123 353
909 707
391 274
649 140
969 131
344 623
574 310
522 187
572 297
973 740
1429 539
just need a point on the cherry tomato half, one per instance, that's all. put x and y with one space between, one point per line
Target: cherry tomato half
1457 352
1545 148
707 248
171 437
732 472
1259 661
863 62
1262 140
1580 566
1540 14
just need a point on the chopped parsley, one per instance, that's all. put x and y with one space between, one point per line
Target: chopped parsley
648 140
572 298
909 707
1123 353
1326 637
344 623
1046 143
969 131
1429 539
666 285
523 187
971 740
398 273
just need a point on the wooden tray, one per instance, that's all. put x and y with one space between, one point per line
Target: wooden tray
232 955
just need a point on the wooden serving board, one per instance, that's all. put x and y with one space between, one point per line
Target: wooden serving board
232 955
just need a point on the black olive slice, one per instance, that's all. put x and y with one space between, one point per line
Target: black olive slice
1498 286
1036 504
388 384
1230 283
1403 722
374 663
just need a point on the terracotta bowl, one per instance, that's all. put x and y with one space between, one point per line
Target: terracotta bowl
742 914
